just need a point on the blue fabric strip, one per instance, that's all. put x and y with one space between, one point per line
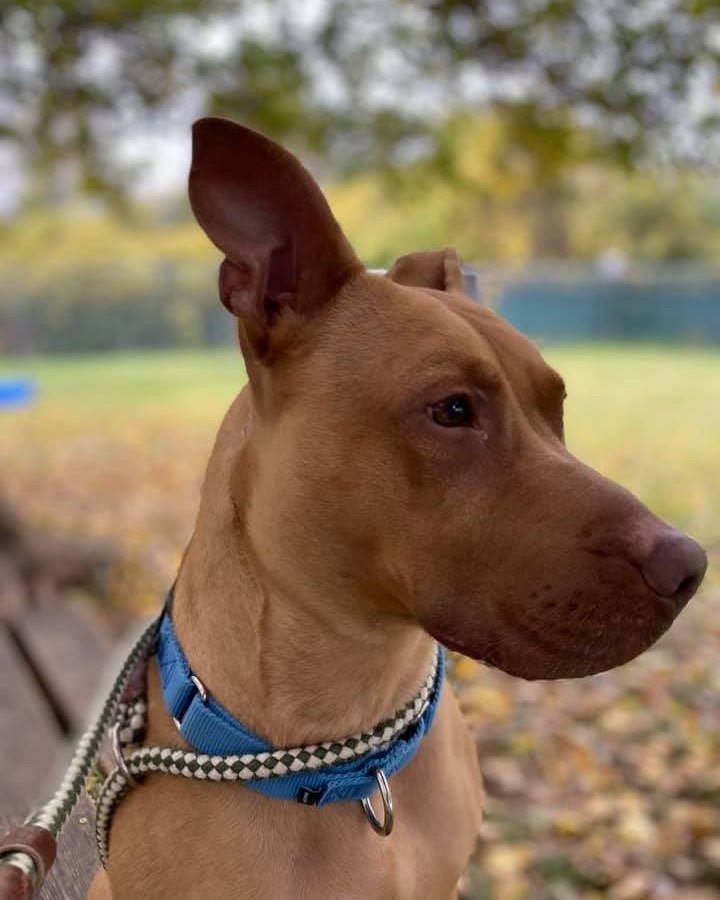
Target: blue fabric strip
209 728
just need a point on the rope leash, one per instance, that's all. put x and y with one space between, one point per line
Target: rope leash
43 827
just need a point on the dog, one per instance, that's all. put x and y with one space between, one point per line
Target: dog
394 474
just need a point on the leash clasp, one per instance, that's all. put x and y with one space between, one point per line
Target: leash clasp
385 827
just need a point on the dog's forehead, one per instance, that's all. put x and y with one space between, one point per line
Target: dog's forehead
392 334
520 359
403 334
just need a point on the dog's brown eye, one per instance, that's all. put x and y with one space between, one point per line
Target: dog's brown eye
453 412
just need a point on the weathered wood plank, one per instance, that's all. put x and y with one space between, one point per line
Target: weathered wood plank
69 653
30 748
29 736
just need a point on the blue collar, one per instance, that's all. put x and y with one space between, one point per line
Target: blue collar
210 729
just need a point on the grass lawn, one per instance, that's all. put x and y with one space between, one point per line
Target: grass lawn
649 417
197 384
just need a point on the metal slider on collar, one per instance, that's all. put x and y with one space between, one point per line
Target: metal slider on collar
119 757
202 693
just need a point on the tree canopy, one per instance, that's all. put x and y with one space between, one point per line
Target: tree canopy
361 83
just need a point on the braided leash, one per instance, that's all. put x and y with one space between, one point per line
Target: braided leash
48 821
249 766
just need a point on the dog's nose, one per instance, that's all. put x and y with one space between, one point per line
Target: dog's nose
675 567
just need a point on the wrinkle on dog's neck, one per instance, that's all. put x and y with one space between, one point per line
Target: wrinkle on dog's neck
293 666
289 675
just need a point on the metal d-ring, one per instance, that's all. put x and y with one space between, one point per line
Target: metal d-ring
201 689
386 826
118 755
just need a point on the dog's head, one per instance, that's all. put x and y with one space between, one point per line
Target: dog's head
406 451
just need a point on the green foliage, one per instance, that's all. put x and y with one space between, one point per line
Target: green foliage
360 83
267 86
663 215
486 198
71 71
626 70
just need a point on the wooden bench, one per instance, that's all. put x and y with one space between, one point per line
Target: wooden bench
52 661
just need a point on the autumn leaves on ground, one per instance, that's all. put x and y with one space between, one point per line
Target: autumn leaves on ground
605 787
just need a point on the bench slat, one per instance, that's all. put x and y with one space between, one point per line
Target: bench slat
69 654
29 736
33 751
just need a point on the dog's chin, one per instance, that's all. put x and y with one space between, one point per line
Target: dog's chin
523 660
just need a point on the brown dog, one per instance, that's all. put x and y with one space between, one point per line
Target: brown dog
394 474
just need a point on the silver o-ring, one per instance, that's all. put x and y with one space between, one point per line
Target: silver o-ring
385 827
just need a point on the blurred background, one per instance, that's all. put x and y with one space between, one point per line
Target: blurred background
568 149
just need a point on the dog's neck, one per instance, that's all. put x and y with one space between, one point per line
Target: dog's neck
294 667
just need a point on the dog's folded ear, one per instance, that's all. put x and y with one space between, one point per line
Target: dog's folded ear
438 269
266 213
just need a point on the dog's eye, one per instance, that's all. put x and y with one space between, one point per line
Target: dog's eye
453 412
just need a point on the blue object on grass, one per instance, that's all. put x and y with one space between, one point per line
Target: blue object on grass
16 392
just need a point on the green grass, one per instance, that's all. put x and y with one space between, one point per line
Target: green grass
649 417
182 382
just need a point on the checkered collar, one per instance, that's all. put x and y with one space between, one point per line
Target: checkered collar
314 775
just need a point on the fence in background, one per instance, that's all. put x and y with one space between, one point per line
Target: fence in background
579 302
173 304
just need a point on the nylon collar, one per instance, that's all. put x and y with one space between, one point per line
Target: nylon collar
333 771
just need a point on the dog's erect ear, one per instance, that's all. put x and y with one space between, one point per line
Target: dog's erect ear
266 213
438 269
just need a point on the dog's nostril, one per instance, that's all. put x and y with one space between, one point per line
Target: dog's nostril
687 586
675 566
